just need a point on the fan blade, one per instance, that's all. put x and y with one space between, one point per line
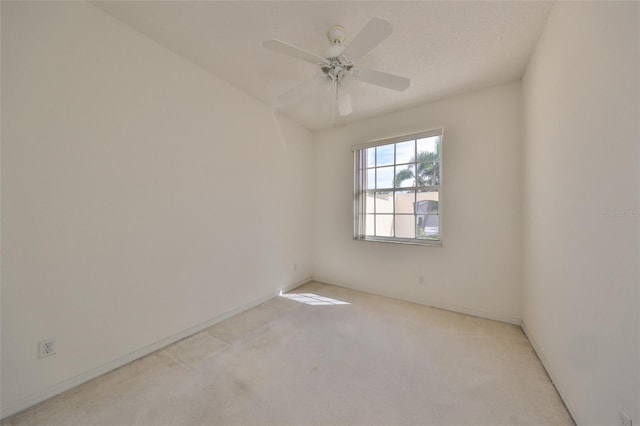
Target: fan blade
390 81
298 91
293 51
371 35
344 105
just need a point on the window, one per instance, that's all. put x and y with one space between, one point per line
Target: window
397 189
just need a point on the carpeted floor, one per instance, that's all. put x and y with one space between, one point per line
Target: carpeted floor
373 361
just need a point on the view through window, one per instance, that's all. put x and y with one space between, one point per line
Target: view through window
397 189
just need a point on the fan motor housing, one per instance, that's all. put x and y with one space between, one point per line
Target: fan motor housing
333 51
338 66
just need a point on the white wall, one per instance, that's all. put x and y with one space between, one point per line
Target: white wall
141 196
477 270
581 138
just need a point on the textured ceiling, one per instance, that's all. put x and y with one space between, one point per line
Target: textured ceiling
444 47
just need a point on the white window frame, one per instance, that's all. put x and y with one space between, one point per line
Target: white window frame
360 190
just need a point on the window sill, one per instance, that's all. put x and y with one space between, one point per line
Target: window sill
411 242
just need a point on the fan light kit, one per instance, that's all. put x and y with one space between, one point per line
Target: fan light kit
338 62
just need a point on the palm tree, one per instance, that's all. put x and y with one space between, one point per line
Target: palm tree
428 170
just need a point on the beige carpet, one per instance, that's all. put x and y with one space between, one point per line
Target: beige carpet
374 361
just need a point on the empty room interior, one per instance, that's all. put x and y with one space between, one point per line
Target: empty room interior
330 213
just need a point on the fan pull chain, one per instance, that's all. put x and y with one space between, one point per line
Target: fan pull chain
335 100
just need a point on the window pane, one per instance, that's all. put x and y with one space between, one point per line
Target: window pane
427 201
405 226
369 203
405 176
428 173
371 179
384 202
430 146
384 177
369 223
371 157
384 155
404 201
428 226
384 225
405 152
427 218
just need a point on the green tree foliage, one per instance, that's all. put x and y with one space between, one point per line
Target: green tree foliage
427 173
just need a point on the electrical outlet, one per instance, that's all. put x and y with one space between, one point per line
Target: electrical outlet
421 280
295 266
623 418
46 348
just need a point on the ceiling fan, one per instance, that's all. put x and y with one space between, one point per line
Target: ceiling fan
338 62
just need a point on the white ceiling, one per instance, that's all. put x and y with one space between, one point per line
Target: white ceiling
445 47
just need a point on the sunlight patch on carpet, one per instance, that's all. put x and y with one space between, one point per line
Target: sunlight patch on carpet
313 299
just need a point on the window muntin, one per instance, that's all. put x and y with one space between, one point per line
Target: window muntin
398 189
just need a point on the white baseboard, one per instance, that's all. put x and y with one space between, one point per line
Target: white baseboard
545 363
24 403
433 304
